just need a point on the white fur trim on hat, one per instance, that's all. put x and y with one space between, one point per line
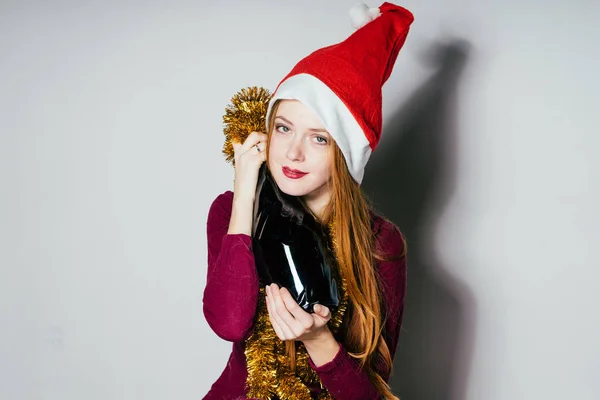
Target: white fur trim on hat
333 114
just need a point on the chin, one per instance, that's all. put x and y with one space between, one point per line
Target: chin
298 192
291 187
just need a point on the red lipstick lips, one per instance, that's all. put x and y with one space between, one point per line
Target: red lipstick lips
293 173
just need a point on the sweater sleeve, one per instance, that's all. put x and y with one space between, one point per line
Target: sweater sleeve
342 376
231 292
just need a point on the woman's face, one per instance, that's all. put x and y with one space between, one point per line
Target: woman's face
300 154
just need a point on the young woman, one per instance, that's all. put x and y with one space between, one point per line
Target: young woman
323 122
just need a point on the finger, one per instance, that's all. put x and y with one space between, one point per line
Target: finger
263 156
274 323
283 331
258 136
281 309
276 309
322 311
284 319
302 318
271 311
252 139
258 147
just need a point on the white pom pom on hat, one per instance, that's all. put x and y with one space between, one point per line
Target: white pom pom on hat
361 14
342 83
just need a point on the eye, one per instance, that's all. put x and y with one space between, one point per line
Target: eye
321 140
282 128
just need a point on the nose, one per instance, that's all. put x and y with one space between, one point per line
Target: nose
295 151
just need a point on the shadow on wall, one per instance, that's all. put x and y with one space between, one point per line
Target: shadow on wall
409 179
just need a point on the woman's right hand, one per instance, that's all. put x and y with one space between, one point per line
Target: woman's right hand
248 158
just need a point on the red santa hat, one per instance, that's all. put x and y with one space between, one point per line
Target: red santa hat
342 83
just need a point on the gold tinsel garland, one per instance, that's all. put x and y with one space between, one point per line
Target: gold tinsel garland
269 371
246 113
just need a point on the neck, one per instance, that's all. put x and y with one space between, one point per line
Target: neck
316 208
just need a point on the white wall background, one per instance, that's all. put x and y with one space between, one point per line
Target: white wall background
110 140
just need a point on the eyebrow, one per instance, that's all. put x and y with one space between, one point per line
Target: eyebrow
310 129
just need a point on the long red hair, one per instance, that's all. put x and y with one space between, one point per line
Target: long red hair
356 253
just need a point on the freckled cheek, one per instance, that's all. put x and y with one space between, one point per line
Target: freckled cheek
277 148
275 155
274 150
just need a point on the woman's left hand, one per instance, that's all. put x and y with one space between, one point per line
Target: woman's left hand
290 321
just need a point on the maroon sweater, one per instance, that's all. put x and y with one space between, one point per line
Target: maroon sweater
231 294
